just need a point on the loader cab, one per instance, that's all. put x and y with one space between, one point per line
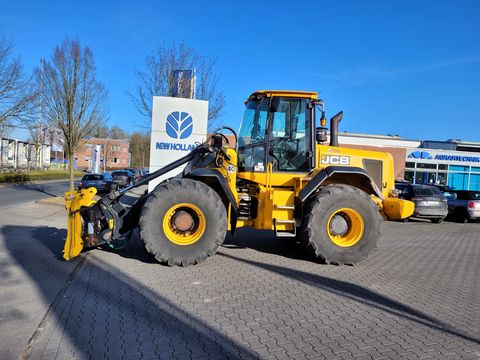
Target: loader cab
277 129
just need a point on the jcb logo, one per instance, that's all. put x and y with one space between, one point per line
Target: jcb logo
335 160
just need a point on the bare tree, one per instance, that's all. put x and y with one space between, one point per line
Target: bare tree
102 132
156 79
37 138
17 93
74 101
116 132
140 149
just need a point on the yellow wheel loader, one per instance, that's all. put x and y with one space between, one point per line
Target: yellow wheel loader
280 175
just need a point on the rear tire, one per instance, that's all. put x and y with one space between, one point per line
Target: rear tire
341 225
165 240
460 215
437 220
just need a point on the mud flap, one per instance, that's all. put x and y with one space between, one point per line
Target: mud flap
74 200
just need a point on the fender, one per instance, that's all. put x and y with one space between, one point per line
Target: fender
214 179
368 185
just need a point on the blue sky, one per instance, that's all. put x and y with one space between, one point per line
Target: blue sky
410 68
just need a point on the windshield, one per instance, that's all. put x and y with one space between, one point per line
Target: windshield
254 123
92 177
251 137
287 128
424 191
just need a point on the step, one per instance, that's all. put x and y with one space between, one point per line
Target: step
284 221
284 207
282 233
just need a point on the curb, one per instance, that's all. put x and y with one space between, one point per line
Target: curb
57 201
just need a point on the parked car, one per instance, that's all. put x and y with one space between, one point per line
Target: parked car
463 205
123 177
443 188
429 201
136 172
102 182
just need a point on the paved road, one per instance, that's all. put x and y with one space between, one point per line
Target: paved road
258 297
14 195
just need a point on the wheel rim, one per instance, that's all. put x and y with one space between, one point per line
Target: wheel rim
184 224
345 227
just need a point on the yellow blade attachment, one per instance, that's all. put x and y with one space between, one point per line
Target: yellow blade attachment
397 209
74 200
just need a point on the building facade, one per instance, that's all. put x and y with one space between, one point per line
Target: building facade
23 155
114 154
454 163
457 169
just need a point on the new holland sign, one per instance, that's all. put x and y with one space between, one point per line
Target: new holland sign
177 125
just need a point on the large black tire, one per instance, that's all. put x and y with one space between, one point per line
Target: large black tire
348 207
158 241
436 220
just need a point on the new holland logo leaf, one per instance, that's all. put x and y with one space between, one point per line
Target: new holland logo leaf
179 125
420 155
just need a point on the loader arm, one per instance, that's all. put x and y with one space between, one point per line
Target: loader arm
96 222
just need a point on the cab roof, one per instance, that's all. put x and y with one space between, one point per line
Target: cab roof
288 93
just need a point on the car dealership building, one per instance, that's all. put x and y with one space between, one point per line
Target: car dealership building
454 163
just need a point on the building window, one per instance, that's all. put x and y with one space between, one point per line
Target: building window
458 168
115 160
115 148
409 176
458 180
442 166
88 146
474 182
88 158
442 178
424 177
426 166
410 165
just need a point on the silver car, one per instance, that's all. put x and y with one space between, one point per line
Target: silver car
429 201
463 205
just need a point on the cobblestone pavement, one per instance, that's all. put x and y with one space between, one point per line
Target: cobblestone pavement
418 296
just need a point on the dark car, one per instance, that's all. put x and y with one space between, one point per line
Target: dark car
136 172
463 205
102 182
429 201
123 177
443 188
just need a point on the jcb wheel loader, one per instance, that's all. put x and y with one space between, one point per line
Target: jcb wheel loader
281 175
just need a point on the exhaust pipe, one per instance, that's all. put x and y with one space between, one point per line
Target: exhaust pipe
334 128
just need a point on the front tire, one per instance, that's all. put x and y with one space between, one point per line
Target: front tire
183 222
341 225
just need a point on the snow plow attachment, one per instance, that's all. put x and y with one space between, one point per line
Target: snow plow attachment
74 201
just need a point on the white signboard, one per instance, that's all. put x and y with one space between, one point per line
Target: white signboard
177 125
443 157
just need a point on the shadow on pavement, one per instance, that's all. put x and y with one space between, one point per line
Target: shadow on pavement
266 242
360 294
101 311
133 249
